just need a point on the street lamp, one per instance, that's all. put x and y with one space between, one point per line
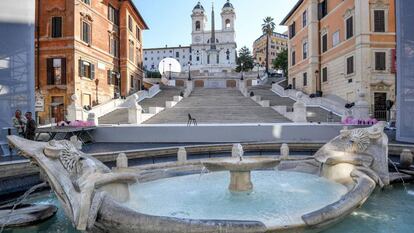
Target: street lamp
163 67
97 83
170 72
242 78
189 71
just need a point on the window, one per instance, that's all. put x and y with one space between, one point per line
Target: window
87 2
113 15
380 61
294 83
138 57
305 50
304 18
349 27
325 74
293 58
305 79
322 9
56 27
112 78
131 51
335 39
132 82
113 46
324 43
379 21
130 23
56 71
86 69
350 65
292 30
198 58
177 54
228 23
197 25
138 33
86 32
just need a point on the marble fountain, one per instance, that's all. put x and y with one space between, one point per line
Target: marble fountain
238 194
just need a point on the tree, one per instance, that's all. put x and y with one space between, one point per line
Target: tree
268 27
281 62
245 57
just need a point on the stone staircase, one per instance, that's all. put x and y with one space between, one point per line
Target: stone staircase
120 115
314 114
217 106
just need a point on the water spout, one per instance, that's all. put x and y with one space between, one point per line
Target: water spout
20 200
398 171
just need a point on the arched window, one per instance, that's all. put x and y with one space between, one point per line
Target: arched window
228 23
198 25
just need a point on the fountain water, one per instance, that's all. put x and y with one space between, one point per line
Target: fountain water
240 168
19 201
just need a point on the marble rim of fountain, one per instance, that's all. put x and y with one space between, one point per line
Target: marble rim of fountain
102 207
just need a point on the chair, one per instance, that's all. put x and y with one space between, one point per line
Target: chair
191 120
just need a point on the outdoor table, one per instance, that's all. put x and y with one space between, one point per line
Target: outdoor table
68 132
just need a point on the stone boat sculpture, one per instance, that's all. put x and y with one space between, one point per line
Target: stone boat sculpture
92 194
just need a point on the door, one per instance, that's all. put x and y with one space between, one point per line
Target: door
380 106
57 109
86 100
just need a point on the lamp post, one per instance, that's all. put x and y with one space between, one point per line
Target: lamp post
118 77
318 82
241 66
163 68
189 71
97 83
170 72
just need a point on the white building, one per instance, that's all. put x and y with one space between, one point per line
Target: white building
211 50
153 56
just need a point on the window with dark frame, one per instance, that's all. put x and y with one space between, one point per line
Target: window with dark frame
87 2
322 9
113 46
130 24
112 78
350 65
305 79
379 21
138 33
113 15
132 82
349 27
325 74
86 69
325 43
292 30
304 18
380 61
293 58
56 27
305 50
131 51
86 32
56 71
294 83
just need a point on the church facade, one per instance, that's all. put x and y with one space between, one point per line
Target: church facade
211 50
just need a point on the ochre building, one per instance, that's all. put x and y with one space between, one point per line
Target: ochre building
88 48
342 48
277 43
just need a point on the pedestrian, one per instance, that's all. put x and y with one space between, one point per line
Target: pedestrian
30 126
19 122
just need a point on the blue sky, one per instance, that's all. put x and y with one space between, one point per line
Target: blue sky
170 21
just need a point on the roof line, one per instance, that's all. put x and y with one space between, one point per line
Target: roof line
274 33
139 14
291 12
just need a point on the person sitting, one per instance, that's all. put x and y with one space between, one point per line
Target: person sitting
30 127
19 122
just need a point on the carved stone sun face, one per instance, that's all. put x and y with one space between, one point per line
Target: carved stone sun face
358 141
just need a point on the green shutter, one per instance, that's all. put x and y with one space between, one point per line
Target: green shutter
81 69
